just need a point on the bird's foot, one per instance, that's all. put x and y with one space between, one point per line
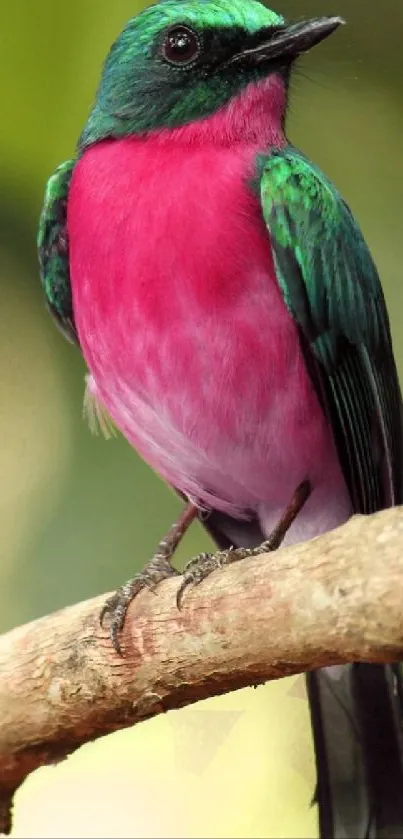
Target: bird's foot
157 569
154 572
202 565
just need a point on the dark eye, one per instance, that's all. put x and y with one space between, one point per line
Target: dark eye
181 45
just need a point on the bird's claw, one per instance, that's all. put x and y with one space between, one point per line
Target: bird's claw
196 570
116 606
200 567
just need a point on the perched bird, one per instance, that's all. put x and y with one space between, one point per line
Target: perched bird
234 328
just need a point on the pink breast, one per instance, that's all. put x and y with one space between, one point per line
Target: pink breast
183 326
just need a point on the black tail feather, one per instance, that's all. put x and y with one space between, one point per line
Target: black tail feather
356 715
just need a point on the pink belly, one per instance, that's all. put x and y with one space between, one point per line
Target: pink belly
186 335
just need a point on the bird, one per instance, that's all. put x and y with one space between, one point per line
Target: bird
234 328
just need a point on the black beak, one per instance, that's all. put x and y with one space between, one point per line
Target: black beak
289 41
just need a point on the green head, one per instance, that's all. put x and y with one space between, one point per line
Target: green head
182 60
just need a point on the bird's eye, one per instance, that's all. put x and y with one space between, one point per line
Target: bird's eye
181 46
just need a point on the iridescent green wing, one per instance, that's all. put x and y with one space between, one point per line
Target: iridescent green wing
53 248
331 287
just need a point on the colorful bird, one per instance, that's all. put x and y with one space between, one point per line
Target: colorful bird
235 330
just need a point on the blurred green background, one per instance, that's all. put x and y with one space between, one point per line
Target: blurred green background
79 515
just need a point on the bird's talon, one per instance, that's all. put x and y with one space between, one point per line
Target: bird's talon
198 569
116 606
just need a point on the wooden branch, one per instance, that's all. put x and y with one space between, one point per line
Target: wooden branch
335 599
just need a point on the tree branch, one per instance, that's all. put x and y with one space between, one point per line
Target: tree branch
335 599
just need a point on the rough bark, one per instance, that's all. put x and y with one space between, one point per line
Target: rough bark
335 599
